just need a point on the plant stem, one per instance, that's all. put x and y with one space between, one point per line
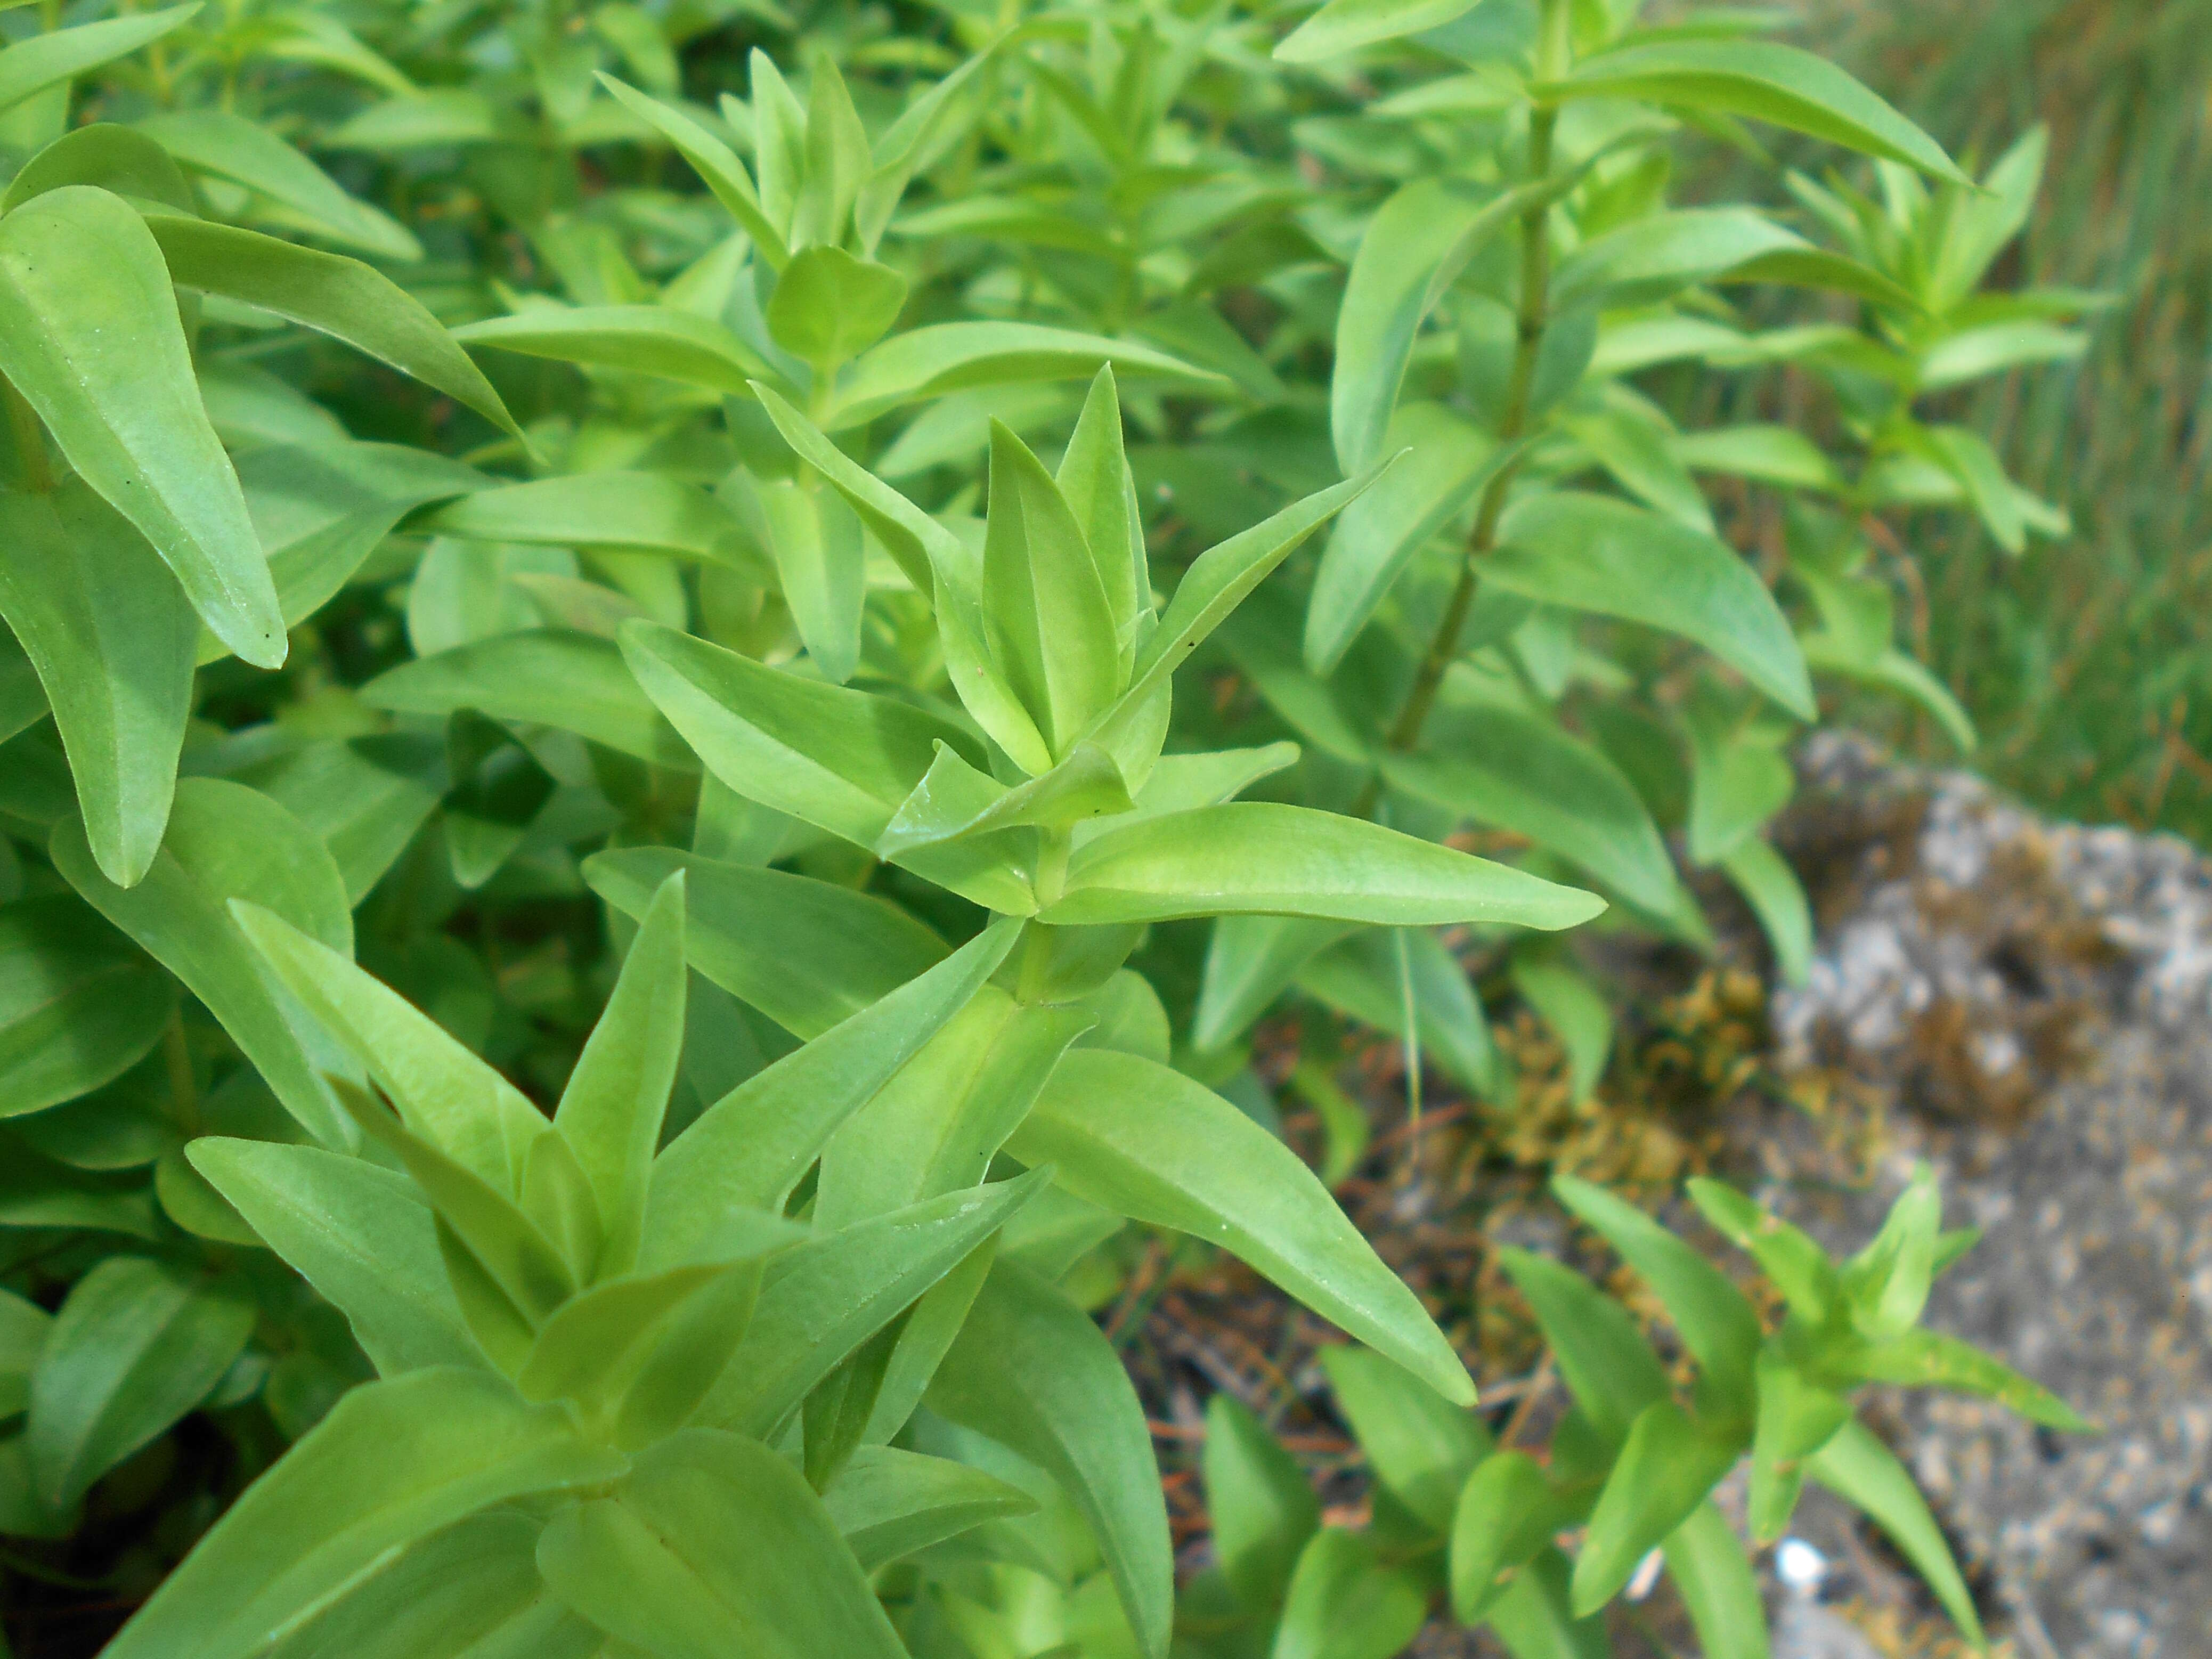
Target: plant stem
1529 324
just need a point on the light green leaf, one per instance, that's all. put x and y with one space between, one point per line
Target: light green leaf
1345 1603
1796 1417
1533 1620
548 676
90 334
829 306
1505 1514
360 1234
806 953
1933 1359
392 1463
1146 1142
1576 1010
1369 976
1650 259
113 637
640 512
1262 1507
1859 1469
339 297
1589 553
1342 26
813 539
1291 860
1710 1569
1771 887
1030 1371
79 1006
889 1503
1800 1269
942 357
1602 1358
1251 961
1772 454
596 1343
365 797
657 340
1667 1466
138 1344
1095 481
293 189
714 162
223 841
1763 80
1420 1446
113 157
30 66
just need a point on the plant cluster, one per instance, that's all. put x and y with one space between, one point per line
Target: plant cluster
687 766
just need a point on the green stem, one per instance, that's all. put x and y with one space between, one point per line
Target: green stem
1529 324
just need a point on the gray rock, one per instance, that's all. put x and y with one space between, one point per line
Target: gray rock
2038 998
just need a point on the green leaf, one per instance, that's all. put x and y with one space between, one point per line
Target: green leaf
1345 1603
1505 1514
1145 1142
1859 1469
656 340
337 296
929 362
392 1462
444 1093
954 802
1739 780
1799 1268
364 797
1262 1507
1522 773
1533 1620
610 1110
90 334
224 840
1710 1569
825 1298
640 512
748 1149
1451 462
1931 1359
806 953
550 676
1771 887
1667 1466
714 162
1718 1325
1343 26
79 1006
138 1344
1045 615
1980 223
116 158
291 188
1369 977
113 638
29 67
1651 260
813 539
1589 553
1796 1417
829 306
1095 481
888 1504
1886 1285
1766 81
360 1234
1030 1371
1576 1010
1421 1447
1291 860
1602 1358
596 1343
840 759
658 1565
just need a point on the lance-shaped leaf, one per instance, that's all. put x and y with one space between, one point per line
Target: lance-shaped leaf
806 953
1602 1358
79 1003
1133 1137
1718 1325
955 802
1094 480
1421 1447
1262 856
1249 962
90 334
829 306
225 841
1590 553
1032 1371
542 676
1667 1466
113 157
599 1340
888 1504
113 637
1378 977
1052 632
1345 1602
1934 1360
29 67
1886 1285
1652 259
1859 1469
1771 887
359 1233
1263 1507
1505 1514
1766 81
657 340
391 1463
1800 1269
445 1093
1796 1417
611 1109
226 145
942 357
1343 26
822 1300
337 296
1533 1618
934 1127
640 512
840 759
714 161
813 539
747 1151
138 1344
658 1564
1707 1562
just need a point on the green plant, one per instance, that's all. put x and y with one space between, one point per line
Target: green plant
1461 1519
772 808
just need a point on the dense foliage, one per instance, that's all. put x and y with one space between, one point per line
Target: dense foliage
667 720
